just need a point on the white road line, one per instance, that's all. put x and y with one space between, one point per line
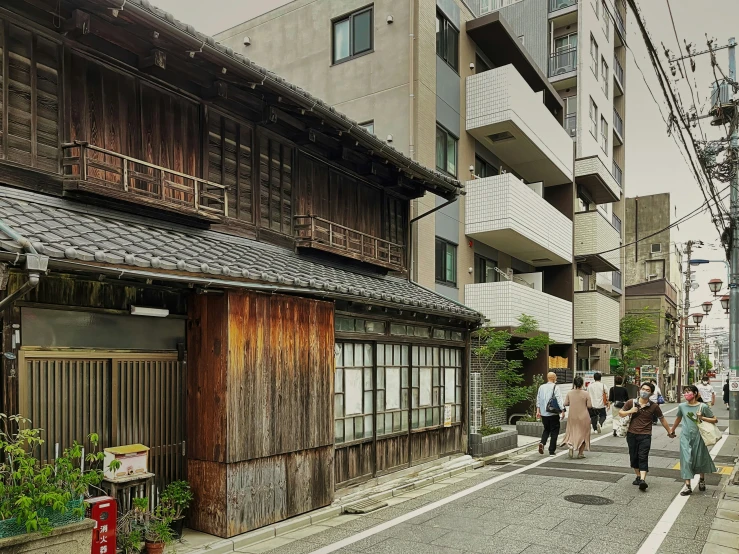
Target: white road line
657 536
461 494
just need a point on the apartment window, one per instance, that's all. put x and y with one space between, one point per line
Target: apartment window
352 35
593 118
566 42
596 7
368 126
484 169
606 21
446 151
656 248
447 41
604 74
446 262
604 135
481 66
594 56
486 271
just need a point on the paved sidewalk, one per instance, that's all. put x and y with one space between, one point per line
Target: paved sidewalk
723 537
528 510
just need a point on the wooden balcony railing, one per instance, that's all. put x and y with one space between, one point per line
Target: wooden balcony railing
91 169
315 232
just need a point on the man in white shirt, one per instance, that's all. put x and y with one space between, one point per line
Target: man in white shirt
706 391
599 400
549 419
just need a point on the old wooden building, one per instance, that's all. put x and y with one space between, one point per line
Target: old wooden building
201 257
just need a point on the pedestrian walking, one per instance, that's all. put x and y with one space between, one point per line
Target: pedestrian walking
617 396
705 391
599 401
578 420
550 419
655 397
694 455
639 436
726 393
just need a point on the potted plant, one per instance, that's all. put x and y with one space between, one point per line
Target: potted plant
38 497
158 533
140 526
176 499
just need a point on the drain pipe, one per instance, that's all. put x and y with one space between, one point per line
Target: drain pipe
35 265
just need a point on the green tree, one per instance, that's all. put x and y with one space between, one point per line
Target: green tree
704 363
634 328
502 351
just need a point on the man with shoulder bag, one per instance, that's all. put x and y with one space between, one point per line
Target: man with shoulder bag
599 400
550 408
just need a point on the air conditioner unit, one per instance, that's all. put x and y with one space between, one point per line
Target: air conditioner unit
562 4
561 71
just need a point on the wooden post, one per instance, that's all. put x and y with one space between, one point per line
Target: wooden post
196 194
83 162
124 176
161 184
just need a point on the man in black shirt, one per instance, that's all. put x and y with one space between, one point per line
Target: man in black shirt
617 396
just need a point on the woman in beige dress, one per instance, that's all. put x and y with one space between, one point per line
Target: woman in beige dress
578 420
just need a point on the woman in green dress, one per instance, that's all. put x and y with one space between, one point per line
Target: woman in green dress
694 455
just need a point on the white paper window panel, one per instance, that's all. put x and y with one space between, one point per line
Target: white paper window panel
424 393
450 384
392 388
353 391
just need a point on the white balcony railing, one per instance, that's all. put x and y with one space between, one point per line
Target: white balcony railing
506 214
597 240
597 318
508 117
502 303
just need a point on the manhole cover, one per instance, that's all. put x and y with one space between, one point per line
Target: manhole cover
588 499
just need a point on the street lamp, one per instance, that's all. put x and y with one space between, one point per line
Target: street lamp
697 318
725 303
707 306
715 286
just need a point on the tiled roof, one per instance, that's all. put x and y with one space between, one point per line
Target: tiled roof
267 78
66 230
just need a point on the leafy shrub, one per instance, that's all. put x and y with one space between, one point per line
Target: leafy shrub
486 431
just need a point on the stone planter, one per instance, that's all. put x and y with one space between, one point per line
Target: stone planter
492 444
536 428
75 538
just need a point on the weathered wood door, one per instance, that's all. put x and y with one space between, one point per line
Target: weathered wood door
126 398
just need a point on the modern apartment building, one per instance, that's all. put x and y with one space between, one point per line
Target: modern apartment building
652 270
475 89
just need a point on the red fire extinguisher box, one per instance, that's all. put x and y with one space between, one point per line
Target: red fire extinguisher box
103 510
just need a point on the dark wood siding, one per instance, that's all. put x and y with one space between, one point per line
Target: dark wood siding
29 98
276 160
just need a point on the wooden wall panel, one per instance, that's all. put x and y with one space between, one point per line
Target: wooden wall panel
392 453
209 510
207 342
280 375
353 462
310 480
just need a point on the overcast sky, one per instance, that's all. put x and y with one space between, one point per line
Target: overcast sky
654 163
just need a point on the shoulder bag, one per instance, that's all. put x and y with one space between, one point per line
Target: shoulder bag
553 406
709 432
605 396
621 424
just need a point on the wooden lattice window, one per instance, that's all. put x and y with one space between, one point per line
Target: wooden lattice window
276 185
230 163
29 98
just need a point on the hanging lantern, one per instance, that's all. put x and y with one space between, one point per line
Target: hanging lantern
725 303
715 286
697 318
707 306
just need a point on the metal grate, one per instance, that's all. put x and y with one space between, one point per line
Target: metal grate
588 500
475 402
364 506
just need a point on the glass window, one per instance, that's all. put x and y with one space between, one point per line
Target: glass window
594 56
436 381
447 41
593 118
604 74
606 21
446 262
486 271
352 35
604 135
368 126
596 7
481 66
353 392
446 151
484 169
392 388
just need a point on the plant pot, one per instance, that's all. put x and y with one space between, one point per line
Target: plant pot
73 538
155 547
492 444
177 526
536 428
11 528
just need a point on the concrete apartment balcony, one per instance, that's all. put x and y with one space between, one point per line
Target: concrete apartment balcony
510 216
597 318
502 303
507 116
595 234
562 12
618 128
618 77
598 182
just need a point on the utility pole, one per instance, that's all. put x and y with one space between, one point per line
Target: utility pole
684 323
734 284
